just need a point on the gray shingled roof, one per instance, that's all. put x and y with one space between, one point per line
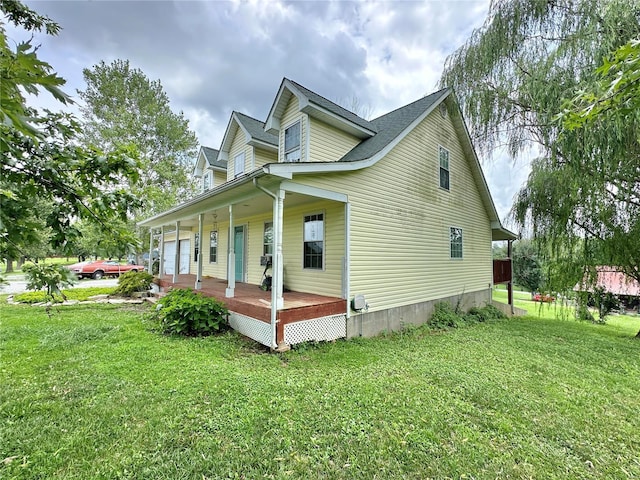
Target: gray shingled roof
334 108
256 129
211 154
390 125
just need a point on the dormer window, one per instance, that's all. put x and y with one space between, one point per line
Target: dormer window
206 181
292 143
238 164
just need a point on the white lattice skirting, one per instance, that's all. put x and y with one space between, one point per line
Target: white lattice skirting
250 327
317 329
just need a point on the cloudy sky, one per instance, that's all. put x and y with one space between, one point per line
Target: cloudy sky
213 57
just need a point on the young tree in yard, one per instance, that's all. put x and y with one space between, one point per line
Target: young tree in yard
42 161
514 76
123 106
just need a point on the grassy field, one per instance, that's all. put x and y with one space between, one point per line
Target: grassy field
48 261
94 393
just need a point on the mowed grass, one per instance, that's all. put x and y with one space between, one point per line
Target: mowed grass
93 392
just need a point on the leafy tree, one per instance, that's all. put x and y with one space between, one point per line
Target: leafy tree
498 252
527 266
94 241
41 158
514 76
614 99
123 106
616 92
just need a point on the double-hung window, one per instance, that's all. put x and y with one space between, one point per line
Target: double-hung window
444 168
314 241
213 246
455 240
206 181
292 143
196 247
267 239
238 165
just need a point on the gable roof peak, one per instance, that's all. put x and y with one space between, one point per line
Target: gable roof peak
316 106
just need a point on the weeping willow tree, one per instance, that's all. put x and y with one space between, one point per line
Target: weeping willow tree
515 76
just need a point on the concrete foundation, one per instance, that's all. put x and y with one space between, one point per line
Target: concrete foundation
370 324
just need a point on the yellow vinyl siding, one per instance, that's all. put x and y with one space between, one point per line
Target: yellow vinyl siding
238 146
290 116
323 282
327 143
262 157
219 178
400 221
219 269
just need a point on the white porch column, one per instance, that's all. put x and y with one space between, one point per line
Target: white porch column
198 285
176 265
231 260
278 270
161 253
150 270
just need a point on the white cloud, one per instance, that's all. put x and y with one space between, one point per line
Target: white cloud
215 57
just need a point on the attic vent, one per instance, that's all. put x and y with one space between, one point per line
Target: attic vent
443 110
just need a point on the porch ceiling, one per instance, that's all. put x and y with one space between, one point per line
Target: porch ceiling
247 200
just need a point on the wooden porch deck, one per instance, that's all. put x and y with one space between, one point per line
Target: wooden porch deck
253 302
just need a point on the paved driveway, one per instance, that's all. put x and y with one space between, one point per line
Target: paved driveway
17 284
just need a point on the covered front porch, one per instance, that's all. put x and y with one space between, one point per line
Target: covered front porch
221 241
303 317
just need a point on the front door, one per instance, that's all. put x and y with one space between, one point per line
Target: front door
169 257
185 252
238 247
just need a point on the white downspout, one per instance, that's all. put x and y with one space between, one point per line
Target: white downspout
231 261
198 285
347 255
176 260
278 240
276 302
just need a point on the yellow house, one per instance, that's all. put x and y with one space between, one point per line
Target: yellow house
361 226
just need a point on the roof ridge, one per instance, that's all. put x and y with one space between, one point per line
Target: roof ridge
411 103
325 98
248 116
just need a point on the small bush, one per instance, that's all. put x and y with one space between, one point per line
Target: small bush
185 312
444 316
133 282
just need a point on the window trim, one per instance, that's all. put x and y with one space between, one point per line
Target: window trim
451 257
264 231
447 169
235 164
206 182
324 241
216 247
284 142
196 246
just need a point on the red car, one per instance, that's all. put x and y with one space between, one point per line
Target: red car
543 298
100 268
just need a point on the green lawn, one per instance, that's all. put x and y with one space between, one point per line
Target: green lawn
93 393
